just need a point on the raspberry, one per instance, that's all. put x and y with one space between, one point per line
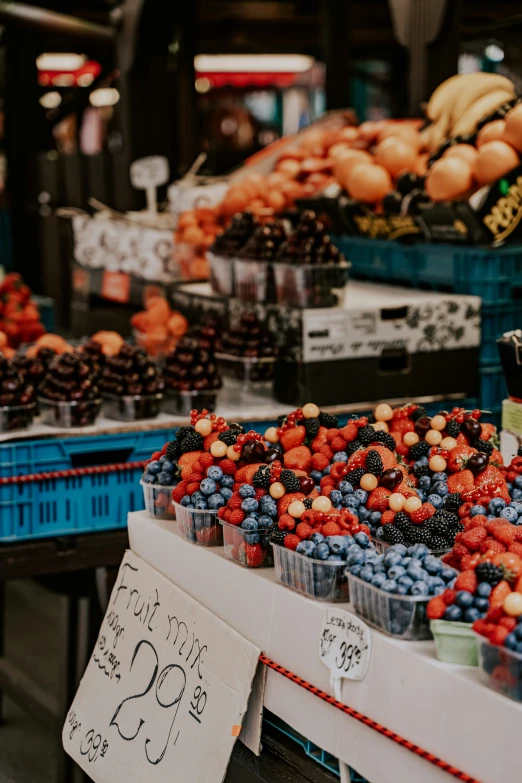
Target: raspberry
465 509
327 481
473 538
319 462
350 431
498 636
222 512
237 486
291 541
492 547
426 511
237 516
436 608
156 455
193 487
327 491
448 596
508 622
303 530
466 563
402 449
477 521
459 550
197 467
331 529
338 444
331 434
505 534
327 452
286 522
179 491
228 514
196 477
235 501
387 517
206 459
228 466
518 534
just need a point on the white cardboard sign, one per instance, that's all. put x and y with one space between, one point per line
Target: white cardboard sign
165 691
147 174
344 645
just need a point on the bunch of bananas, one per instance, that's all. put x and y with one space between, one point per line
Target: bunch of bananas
459 103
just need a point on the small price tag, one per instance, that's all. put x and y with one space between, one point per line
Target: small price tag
147 174
115 286
344 645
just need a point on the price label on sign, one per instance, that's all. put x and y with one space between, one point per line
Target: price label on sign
345 645
165 690
149 172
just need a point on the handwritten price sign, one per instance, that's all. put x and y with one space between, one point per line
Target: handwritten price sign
165 690
344 645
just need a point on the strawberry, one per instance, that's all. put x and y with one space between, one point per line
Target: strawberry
387 517
236 517
449 596
292 438
338 444
487 431
473 538
185 462
255 555
458 457
405 488
228 466
466 562
466 580
402 449
505 534
495 459
498 636
357 460
426 511
378 499
436 608
291 541
209 440
494 614
349 432
510 563
303 530
499 595
331 529
245 474
462 482
518 586
197 467
319 462
299 458
387 456
286 500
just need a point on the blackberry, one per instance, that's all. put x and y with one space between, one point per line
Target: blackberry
402 521
289 481
439 542
311 426
453 428
409 532
308 502
374 463
487 572
183 432
485 446
421 470
367 435
448 517
453 501
437 526
353 446
173 450
278 536
229 437
261 477
419 535
392 535
355 476
419 449
328 420
385 438
192 442
418 413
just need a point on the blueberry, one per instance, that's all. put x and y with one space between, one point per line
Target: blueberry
518 482
475 510
518 632
435 581
362 540
251 524
317 538
437 589
511 641
484 590
366 573
321 551
249 504
355 569
355 558
252 538
497 503
400 548
516 494
406 561
363 513
375 517
338 544
361 495
336 496
519 647
396 571
335 559
464 599
190 506
379 532
350 501
345 487
216 501
227 481
440 488
154 467
186 500
317 476
305 548
482 604
424 482
247 491
432 564
417 573
471 614
447 573
372 557
148 478
378 579
453 613
326 471
392 559
389 586
167 464
264 521
200 505
436 501
226 492
350 541
215 472
439 477
197 495
418 551
405 581
419 588
208 486
401 590
509 513
165 479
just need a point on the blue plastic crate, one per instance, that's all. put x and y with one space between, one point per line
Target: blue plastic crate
312 751
494 274
46 308
80 504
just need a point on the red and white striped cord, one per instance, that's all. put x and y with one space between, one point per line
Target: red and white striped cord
92 470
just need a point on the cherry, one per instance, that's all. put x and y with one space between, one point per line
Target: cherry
471 428
422 426
391 478
477 463
306 484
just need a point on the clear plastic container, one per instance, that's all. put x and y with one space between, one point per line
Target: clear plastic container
180 403
455 642
158 501
221 269
131 407
246 376
312 285
402 616
199 527
69 414
16 417
317 579
501 668
249 548
251 280
383 546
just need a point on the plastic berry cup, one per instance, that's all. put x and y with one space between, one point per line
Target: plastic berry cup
221 270
16 417
158 501
500 668
180 403
69 414
311 285
254 280
248 548
322 580
246 375
131 407
199 527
